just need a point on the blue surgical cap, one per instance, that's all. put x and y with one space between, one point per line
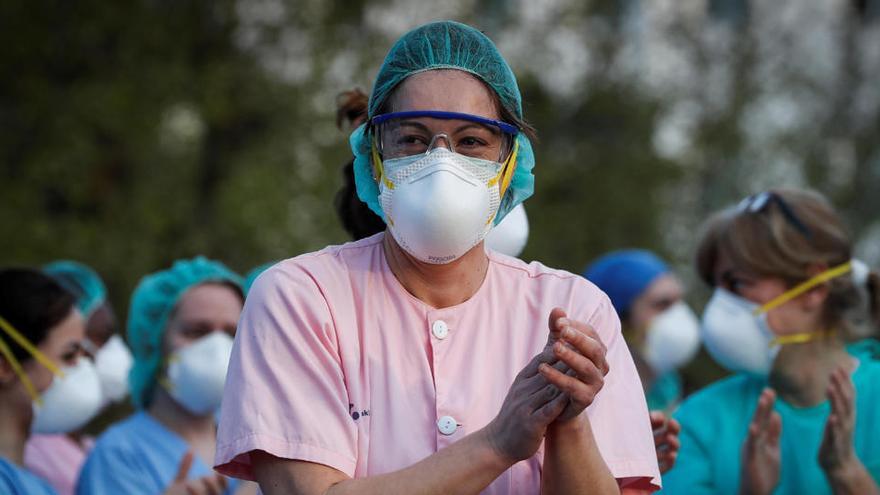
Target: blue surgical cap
152 303
624 275
445 45
81 281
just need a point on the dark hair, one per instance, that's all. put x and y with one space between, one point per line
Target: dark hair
33 303
356 217
769 244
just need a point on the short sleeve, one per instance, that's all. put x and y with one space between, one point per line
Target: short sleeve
285 389
619 413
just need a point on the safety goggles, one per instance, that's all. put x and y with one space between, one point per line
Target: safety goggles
402 134
21 340
757 203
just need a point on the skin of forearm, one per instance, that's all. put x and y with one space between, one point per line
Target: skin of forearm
465 467
572 462
853 480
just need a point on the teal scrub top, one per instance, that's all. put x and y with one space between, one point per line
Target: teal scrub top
138 456
715 420
665 392
16 480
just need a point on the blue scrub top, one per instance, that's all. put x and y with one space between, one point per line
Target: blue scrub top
16 480
715 421
138 456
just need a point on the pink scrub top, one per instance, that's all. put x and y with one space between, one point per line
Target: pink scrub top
336 363
57 459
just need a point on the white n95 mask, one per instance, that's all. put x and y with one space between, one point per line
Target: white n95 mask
113 362
736 334
440 204
673 338
71 401
197 373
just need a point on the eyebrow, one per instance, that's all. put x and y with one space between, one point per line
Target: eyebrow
423 127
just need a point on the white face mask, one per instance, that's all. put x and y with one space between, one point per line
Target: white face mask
440 204
511 234
71 401
736 335
196 374
673 339
113 362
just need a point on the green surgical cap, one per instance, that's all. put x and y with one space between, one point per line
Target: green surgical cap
151 304
445 45
81 281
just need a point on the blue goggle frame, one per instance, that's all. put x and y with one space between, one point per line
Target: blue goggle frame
438 114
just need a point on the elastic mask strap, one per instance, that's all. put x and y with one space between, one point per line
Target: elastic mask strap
16 365
505 176
800 338
804 287
377 160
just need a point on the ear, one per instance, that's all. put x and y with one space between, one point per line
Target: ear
814 299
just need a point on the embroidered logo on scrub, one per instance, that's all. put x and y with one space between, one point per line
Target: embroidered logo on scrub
355 414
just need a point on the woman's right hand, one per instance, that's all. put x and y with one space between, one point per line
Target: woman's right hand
530 406
760 453
207 485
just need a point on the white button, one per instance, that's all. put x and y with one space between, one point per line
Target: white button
447 425
440 329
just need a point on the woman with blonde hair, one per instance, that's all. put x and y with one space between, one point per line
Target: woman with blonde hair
802 414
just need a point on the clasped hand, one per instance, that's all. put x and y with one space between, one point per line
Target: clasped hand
556 385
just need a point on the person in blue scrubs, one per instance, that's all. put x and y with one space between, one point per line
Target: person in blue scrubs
802 412
180 326
661 330
40 346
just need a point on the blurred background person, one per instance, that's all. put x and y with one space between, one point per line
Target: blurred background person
47 384
181 324
802 413
659 326
58 458
660 329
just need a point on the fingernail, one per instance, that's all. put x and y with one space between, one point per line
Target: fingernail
567 332
559 347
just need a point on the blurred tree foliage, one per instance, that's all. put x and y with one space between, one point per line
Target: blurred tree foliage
141 131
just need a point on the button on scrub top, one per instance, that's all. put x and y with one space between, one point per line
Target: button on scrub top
336 363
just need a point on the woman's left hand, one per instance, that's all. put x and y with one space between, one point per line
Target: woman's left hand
581 355
837 450
837 456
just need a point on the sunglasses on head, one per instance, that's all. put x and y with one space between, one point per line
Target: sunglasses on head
757 203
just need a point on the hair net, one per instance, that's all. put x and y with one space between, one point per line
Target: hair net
445 45
624 275
81 281
151 304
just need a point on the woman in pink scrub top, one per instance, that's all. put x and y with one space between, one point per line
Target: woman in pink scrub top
414 361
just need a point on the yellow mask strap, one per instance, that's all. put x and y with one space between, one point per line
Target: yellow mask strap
800 338
804 287
505 175
20 339
380 168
